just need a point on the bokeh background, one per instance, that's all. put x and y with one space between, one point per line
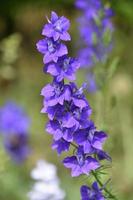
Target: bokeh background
21 79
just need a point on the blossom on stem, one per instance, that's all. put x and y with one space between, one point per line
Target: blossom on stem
92 193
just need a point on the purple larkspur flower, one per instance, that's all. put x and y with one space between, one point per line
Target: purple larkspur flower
14 128
86 57
54 111
65 68
57 28
56 93
90 138
51 49
92 193
16 146
91 7
76 117
95 28
80 163
61 145
13 119
55 128
78 97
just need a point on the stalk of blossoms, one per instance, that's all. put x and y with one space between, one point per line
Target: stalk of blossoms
67 107
14 126
95 30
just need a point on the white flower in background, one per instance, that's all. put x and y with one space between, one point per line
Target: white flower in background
46 186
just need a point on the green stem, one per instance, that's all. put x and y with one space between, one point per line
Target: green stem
98 180
102 185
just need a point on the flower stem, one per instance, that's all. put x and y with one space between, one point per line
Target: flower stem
102 185
98 180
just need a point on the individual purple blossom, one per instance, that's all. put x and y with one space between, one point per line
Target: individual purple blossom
93 193
60 145
57 28
52 50
90 138
76 117
53 111
56 93
56 129
14 128
65 68
81 163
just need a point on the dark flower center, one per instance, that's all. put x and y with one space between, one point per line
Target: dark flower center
77 113
66 64
51 46
57 26
80 159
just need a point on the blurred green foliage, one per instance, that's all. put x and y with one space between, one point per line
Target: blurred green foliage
112 107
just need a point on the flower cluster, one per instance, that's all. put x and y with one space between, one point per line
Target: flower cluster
14 126
95 29
92 193
67 107
46 186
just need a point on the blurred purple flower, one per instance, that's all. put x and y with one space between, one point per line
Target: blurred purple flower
95 28
92 85
14 128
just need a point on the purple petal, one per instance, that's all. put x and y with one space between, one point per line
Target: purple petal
53 69
54 17
65 36
42 46
48 30
62 50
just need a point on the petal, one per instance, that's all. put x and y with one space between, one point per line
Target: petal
70 162
80 137
48 30
76 171
65 23
60 146
54 17
79 103
90 164
62 50
65 36
57 134
47 58
87 147
48 91
42 46
53 69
